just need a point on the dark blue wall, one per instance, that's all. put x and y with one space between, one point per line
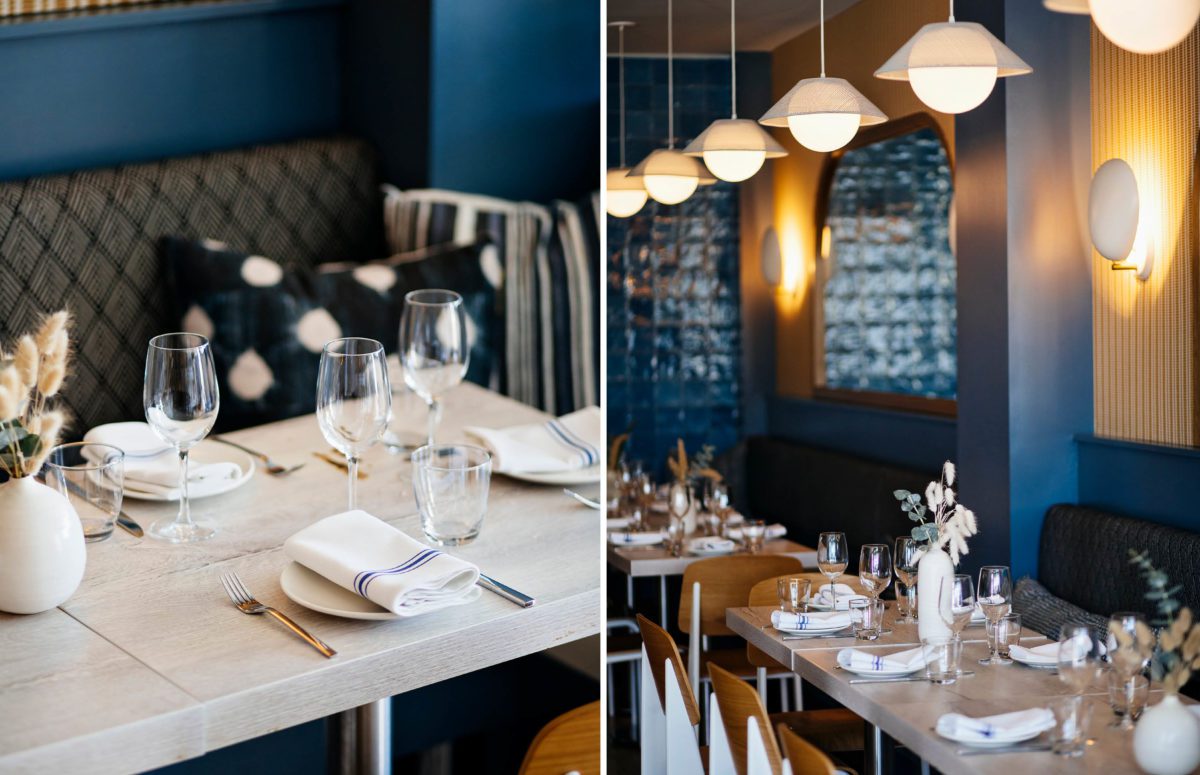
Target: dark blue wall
1158 483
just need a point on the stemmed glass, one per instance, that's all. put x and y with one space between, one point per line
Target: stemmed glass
908 554
718 504
875 572
833 555
354 400
433 346
1126 666
956 597
181 401
679 503
1079 662
995 598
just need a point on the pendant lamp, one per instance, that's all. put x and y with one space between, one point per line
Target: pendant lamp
1078 7
953 66
734 148
1145 26
823 113
625 195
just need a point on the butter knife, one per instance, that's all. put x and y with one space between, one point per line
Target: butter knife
1035 747
901 679
505 591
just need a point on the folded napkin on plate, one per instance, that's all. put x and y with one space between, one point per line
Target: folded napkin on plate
613 523
152 466
1014 726
773 532
821 620
844 595
1046 654
639 538
567 444
711 544
371 558
864 661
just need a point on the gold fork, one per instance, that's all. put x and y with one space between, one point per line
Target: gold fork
246 603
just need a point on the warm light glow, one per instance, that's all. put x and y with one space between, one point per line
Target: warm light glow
824 132
826 243
734 166
624 196
953 89
670 189
1146 28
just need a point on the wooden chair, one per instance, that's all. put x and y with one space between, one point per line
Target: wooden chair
669 716
740 703
803 757
569 743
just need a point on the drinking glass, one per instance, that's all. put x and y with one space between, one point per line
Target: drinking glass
1125 661
433 346
995 598
833 555
719 504
92 478
793 593
679 503
961 604
354 400
754 532
1071 718
181 400
450 483
1079 662
908 554
1128 697
867 617
943 656
1005 633
875 572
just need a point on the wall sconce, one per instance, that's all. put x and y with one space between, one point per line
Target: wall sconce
1114 209
771 258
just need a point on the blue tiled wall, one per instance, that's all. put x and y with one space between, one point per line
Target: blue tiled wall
674 343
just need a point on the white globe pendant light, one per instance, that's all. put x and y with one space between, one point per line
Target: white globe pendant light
953 66
624 195
733 148
1145 26
823 113
1078 7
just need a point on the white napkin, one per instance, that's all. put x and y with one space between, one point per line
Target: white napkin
569 443
614 523
151 466
820 620
1006 727
1046 654
711 544
375 560
865 661
772 532
626 538
844 596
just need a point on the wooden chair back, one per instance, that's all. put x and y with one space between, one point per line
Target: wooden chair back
568 743
725 582
739 702
804 757
766 592
660 647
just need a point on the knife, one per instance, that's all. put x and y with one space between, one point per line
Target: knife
900 679
1035 747
505 591
124 521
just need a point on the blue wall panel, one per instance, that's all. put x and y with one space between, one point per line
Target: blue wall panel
1147 481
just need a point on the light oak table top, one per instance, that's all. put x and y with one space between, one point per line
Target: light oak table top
149 663
640 561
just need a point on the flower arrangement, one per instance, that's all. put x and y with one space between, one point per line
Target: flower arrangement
951 524
30 376
699 468
1177 654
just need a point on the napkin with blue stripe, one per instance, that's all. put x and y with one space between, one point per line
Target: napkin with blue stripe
817 620
873 662
369 557
567 443
1006 727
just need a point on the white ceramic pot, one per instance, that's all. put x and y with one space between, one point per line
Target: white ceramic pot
42 555
933 571
1167 739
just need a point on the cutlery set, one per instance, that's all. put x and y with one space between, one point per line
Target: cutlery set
902 679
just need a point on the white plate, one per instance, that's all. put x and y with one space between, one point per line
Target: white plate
696 547
320 594
635 539
882 673
977 743
819 630
206 451
589 475
1040 665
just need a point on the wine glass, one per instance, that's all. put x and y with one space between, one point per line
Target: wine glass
354 400
181 401
875 573
433 346
679 503
833 555
908 554
1079 662
1126 667
995 598
956 602
719 505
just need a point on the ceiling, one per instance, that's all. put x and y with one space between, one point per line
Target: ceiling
702 26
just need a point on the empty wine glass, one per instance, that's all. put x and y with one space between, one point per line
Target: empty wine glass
833 555
679 503
908 554
956 602
1079 662
1125 661
181 400
433 346
875 573
354 400
995 598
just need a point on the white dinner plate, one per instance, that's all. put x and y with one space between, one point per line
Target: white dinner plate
589 475
622 538
817 630
1052 665
975 742
207 451
882 673
696 547
314 591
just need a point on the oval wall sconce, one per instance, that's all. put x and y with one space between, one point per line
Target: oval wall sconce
1114 219
771 258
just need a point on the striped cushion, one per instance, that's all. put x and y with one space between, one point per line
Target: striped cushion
1042 612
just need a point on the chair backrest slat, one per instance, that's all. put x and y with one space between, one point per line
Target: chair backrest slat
661 648
804 757
739 702
725 582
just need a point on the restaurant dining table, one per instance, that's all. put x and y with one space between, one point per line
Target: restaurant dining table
907 711
149 663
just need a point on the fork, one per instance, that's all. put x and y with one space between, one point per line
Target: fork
273 468
246 603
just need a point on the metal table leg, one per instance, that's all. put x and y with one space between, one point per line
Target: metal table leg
878 752
629 592
366 739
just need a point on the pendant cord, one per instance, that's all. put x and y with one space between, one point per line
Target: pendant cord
732 59
823 37
670 77
621 81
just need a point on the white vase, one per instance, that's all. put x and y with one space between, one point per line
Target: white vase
933 571
42 555
1167 739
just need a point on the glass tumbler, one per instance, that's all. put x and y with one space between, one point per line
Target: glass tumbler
1128 697
450 483
867 616
793 593
1006 633
92 478
753 533
1071 718
943 655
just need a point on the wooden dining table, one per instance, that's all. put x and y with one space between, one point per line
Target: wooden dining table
149 663
907 712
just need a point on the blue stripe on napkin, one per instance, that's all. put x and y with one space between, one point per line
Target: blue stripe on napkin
363 580
557 431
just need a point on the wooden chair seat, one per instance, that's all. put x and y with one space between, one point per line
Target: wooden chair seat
568 743
835 729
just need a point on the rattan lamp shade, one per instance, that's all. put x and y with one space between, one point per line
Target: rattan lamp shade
823 113
668 175
733 149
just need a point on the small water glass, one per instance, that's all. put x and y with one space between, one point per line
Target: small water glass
1128 698
450 483
753 533
793 593
906 603
943 655
1071 718
1004 634
867 616
92 478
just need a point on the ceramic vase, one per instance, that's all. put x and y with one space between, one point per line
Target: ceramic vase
934 571
1167 738
42 553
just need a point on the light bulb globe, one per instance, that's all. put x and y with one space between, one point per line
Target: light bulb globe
953 89
624 195
1145 28
734 166
670 189
824 132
